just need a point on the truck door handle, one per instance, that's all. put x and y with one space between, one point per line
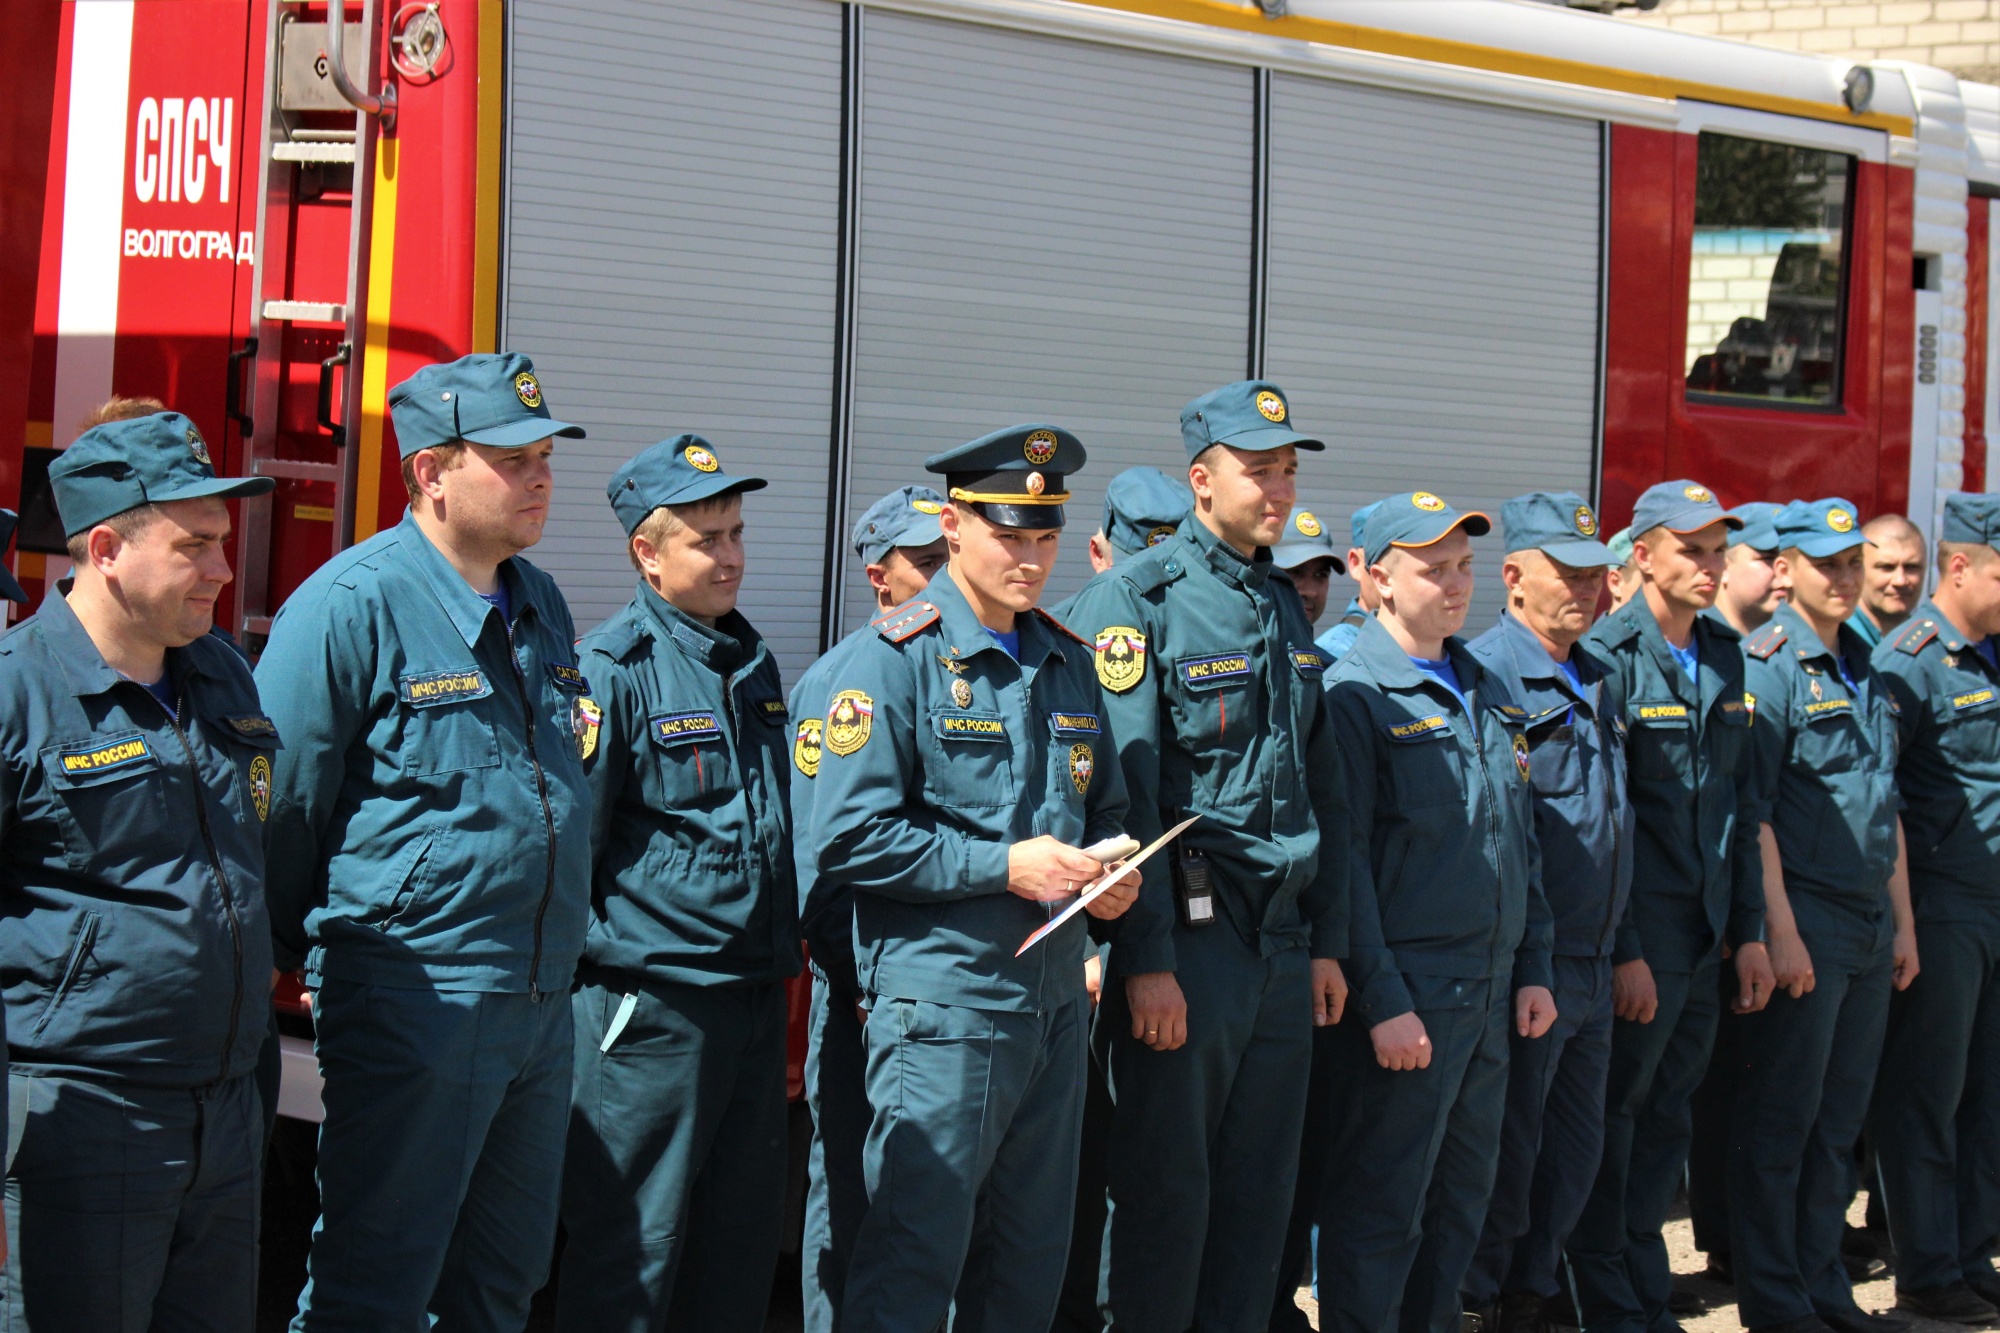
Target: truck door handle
326 421
234 392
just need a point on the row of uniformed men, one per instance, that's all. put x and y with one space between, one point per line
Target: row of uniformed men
464 806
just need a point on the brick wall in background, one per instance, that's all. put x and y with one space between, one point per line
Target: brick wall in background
1962 36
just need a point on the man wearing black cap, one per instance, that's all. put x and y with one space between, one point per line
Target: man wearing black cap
965 722
1450 934
430 839
674 1180
1217 976
1697 885
137 958
900 543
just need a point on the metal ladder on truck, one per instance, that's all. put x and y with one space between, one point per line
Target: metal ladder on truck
293 386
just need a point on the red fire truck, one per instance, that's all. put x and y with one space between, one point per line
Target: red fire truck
1486 245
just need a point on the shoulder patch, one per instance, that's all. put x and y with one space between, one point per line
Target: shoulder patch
1765 643
905 621
1912 638
1061 628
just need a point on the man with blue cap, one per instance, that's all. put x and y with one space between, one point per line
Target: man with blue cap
1935 1124
1218 975
1450 932
900 544
1696 888
1306 555
1143 507
1553 1131
137 957
430 835
1340 636
1750 590
674 1180
1837 903
964 723
1623 579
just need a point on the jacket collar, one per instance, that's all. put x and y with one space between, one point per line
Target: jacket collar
966 637
1391 666
466 609
83 666
730 645
1947 633
1223 558
1805 644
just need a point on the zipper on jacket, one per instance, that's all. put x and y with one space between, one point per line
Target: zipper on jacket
548 818
222 882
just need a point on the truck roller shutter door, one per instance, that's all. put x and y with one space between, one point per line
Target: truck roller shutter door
1433 299
673 187
1050 230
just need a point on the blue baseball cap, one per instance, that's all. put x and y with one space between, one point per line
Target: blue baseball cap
1818 527
906 516
1143 507
1620 546
9 587
490 398
1759 530
1416 519
1249 414
1305 538
121 465
1970 517
1680 507
1559 524
679 471
1013 477
1357 525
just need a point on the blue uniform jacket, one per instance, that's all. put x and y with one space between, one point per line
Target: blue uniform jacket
431 827
690 828
1337 640
1949 772
1697 876
1441 858
1825 759
136 947
1211 684
826 904
939 753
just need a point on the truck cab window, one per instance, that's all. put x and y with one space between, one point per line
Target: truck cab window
1764 284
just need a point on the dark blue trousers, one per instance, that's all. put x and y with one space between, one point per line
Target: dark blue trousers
1809 1067
1616 1251
1712 1112
1936 1120
131 1208
1205 1139
1551 1139
674 1188
1077 1310
1295 1262
440 1158
971 1165
836 1184
1414 1153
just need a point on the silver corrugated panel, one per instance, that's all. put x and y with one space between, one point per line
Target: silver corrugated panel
672 223
1049 230
1433 300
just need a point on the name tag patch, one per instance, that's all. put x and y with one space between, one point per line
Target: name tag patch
442 687
1659 712
254 725
1217 670
568 677
971 726
1309 660
1972 699
684 728
1417 728
1075 724
107 756
1828 707
773 709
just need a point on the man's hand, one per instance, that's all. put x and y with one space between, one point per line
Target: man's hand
1534 1010
1111 904
1634 997
1755 982
1906 958
1329 987
1401 1043
1043 870
1159 1010
1791 963
1093 976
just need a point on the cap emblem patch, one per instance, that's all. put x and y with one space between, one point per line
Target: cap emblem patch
1082 763
1307 524
528 389
1121 658
1427 502
1699 494
1586 522
927 507
1039 447
1271 406
198 446
700 459
1037 483
260 786
849 721
1840 520
806 746
1160 534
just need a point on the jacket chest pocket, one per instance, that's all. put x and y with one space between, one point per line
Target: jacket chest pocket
1829 738
111 798
692 751
1659 740
1425 765
1075 750
1208 689
449 728
252 754
1555 761
971 761
1971 723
